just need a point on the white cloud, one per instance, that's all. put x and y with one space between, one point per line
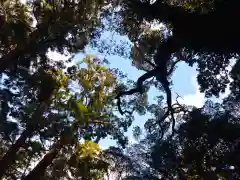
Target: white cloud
57 56
197 99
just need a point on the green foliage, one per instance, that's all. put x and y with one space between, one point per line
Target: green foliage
43 105
204 147
55 113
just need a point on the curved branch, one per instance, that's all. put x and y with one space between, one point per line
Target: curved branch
161 120
138 89
173 66
144 77
118 97
165 84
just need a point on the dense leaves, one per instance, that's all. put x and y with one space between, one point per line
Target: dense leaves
42 117
53 113
205 147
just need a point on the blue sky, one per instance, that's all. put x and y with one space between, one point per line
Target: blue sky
183 85
184 80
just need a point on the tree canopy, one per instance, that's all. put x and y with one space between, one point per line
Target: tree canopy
54 112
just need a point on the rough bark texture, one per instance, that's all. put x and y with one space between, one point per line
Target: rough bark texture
39 171
9 158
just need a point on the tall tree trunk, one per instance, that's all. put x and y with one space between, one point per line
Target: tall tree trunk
9 158
41 167
39 170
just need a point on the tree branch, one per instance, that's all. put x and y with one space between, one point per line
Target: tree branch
158 10
118 97
173 66
138 89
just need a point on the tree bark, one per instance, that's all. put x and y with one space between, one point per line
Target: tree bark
9 158
41 167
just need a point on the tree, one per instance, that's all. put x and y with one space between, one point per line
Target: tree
34 122
71 115
204 147
182 24
69 30
205 47
181 40
43 118
62 26
92 112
